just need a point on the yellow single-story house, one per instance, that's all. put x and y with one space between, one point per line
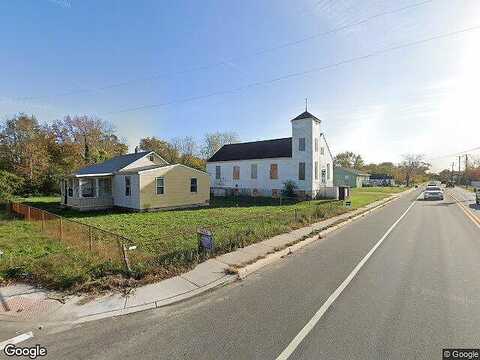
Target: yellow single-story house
140 181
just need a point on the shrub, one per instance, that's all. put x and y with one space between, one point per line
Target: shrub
289 188
10 184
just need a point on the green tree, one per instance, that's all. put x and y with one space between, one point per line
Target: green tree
24 148
10 185
349 159
163 148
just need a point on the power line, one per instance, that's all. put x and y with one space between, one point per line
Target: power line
232 59
455 154
298 74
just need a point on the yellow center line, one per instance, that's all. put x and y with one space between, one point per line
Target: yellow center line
470 215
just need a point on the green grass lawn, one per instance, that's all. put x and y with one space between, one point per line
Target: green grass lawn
162 232
30 256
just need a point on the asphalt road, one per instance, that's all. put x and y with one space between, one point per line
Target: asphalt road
419 292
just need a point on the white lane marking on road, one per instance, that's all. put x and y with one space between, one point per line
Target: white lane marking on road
475 219
16 339
323 309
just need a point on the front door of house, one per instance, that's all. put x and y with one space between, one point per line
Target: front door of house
65 192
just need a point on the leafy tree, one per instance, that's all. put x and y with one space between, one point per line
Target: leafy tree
163 148
349 159
89 139
10 184
24 148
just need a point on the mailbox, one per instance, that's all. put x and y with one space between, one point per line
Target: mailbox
205 240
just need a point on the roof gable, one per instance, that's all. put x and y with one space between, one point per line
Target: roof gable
306 115
276 148
112 165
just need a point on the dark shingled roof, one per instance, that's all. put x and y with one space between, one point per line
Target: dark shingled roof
112 165
276 148
305 115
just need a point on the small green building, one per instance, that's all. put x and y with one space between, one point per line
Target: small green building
349 177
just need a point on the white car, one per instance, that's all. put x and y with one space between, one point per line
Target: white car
432 193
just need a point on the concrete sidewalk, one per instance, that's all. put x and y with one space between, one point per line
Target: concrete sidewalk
28 304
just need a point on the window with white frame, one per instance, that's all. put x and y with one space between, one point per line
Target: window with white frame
193 185
151 157
316 170
322 151
236 172
301 171
128 186
323 176
88 188
316 144
160 185
218 172
328 171
104 187
273 171
254 169
301 144
70 187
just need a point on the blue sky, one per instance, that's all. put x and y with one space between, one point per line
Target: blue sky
66 54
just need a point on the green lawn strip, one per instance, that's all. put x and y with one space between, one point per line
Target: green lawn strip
165 232
30 256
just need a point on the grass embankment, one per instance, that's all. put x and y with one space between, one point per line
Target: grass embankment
163 232
30 256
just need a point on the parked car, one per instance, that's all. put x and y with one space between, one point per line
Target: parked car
477 196
432 193
450 184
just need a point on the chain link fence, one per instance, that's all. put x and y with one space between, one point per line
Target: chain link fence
139 260
104 244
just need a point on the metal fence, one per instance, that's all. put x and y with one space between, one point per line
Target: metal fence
104 244
126 254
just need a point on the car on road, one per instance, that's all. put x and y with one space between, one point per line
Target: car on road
433 193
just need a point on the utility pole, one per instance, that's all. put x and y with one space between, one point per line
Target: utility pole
451 175
466 169
459 164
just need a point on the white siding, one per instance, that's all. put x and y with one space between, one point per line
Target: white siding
288 168
119 198
145 161
262 183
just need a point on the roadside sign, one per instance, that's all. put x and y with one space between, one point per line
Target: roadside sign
348 203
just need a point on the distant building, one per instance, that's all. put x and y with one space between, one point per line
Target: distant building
262 167
349 177
381 180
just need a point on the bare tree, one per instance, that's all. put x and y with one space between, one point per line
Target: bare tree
214 141
412 165
186 146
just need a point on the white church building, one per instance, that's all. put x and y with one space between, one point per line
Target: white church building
261 168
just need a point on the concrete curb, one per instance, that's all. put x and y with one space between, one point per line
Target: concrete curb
121 306
243 272
227 279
